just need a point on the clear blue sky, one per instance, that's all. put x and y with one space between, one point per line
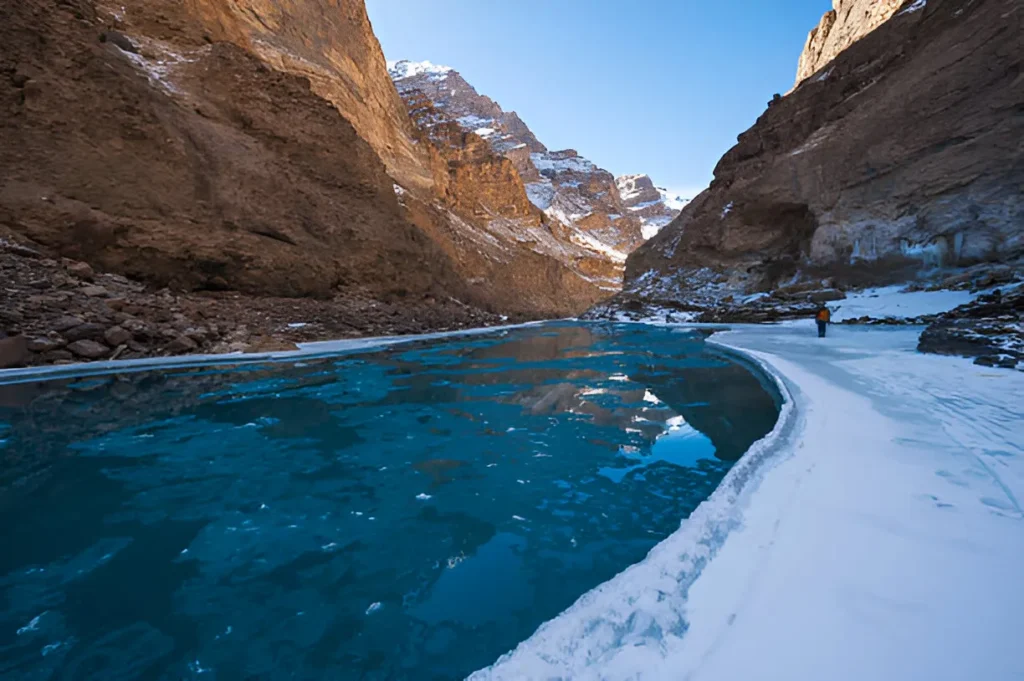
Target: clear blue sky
638 86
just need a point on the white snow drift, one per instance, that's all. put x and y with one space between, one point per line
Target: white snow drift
876 534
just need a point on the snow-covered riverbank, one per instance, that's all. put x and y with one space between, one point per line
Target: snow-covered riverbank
880 536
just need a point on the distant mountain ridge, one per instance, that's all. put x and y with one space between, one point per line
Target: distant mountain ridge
654 206
582 202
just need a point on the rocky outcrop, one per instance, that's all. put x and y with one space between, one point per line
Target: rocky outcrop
191 164
847 22
331 43
562 205
55 311
903 156
653 206
466 185
990 329
260 147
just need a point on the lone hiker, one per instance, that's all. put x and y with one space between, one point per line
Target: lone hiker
823 317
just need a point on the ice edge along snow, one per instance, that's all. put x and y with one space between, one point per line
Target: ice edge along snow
306 351
874 534
649 597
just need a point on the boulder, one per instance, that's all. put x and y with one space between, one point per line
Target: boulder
65 323
181 345
115 336
45 344
11 316
56 356
89 349
82 270
13 352
998 361
137 327
89 330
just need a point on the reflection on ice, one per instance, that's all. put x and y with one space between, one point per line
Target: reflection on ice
680 445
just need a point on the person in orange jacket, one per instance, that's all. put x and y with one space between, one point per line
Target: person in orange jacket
823 317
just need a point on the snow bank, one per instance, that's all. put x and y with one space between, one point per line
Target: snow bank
892 302
876 534
618 629
889 545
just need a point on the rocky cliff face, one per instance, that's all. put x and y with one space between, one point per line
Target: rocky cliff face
904 155
461 182
847 22
653 206
260 146
331 43
557 203
136 141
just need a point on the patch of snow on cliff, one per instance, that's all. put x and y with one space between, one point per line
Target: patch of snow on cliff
160 68
541 194
484 132
649 227
472 122
918 5
642 206
576 164
404 68
558 211
627 187
673 202
593 244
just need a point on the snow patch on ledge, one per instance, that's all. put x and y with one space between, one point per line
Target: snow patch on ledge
541 194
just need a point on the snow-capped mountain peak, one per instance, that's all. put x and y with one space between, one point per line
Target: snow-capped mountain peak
586 224
674 202
409 69
654 206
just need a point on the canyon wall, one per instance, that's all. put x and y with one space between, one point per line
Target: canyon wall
847 22
554 203
330 42
902 155
135 140
261 146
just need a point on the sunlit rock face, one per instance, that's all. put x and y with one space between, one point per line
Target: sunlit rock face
847 22
900 156
576 210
